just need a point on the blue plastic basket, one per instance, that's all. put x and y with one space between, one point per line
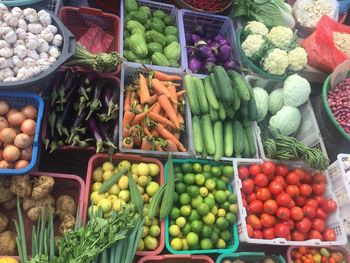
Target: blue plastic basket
213 24
18 100
250 257
235 242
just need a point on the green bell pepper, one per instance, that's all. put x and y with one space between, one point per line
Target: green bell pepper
131 5
172 51
137 44
158 25
170 30
159 59
157 37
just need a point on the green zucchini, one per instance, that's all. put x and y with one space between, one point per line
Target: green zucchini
208 134
214 84
197 134
209 92
219 141
238 138
224 84
214 116
240 84
200 91
222 112
244 111
250 137
192 96
228 138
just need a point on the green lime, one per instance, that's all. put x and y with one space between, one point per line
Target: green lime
193 190
233 208
189 178
176 197
197 168
226 205
180 188
203 191
222 223
214 210
216 229
185 199
215 171
220 244
206 231
176 243
230 217
225 179
227 171
200 179
186 229
179 177
194 216
209 201
185 210
174 230
214 237
207 175
210 184
174 213
196 226
232 198
177 169
210 195
181 221
203 209
220 196
207 168
154 231
192 238
209 219
206 244
225 235
196 201
186 168
221 185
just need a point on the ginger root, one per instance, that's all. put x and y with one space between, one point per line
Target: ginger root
4 221
42 187
21 186
7 243
67 224
34 208
65 205
10 204
5 193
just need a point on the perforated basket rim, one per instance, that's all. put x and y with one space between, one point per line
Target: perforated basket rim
250 254
193 258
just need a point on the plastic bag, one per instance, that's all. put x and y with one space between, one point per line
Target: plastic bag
344 5
340 73
320 47
96 40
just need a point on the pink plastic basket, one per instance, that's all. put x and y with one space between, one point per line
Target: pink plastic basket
176 259
99 159
332 249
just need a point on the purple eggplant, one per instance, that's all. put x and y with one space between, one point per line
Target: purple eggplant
219 37
211 58
105 136
214 47
194 64
196 38
208 67
96 104
224 52
109 97
203 50
93 129
223 42
188 37
232 64
190 51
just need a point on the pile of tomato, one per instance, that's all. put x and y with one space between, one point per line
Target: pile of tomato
283 203
317 255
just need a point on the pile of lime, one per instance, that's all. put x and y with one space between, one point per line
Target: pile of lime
204 210
146 175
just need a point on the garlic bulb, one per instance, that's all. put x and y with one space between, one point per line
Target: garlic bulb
3 10
52 59
22 24
46 34
52 28
43 46
17 12
3 63
54 52
44 17
6 52
10 62
10 19
21 74
57 40
33 42
7 73
3 43
19 42
10 37
10 79
15 69
17 61
5 30
35 28
20 51
30 15
29 62
32 54
21 33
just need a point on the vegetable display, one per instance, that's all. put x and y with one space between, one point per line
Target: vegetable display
312 254
204 210
153 113
17 130
83 111
29 44
224 108
150 37
285 203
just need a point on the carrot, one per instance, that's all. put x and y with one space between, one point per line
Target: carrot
165 77
133 99
172 90
159 147
160 88
167 135
170 146
126 132
180 117
177 135
168 109
128 143
169 83
153 99
139 117
147 143
144 92
160 119
145 128
138 108
127 100
128 117
180 93
156 108
155 133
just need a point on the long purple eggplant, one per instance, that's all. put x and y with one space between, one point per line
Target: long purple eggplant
108 99
63 118
96 103
105 136
93 129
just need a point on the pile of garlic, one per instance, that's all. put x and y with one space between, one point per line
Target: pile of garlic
29 44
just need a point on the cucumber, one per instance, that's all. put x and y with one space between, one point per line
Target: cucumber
224 84
252 109
244 111
238 138
228 138
236 101
214 116
200 91
249 134
246 149
214 84
246 123
197 134
230 113
192 96
222 112
208 134
219 141
209 92
240 84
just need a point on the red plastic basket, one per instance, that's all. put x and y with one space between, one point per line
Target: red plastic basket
79 20
65 184
332 248
98 160
176 259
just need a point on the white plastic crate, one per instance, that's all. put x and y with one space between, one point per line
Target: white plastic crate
129 73
340 180
213 24
308 133
334 220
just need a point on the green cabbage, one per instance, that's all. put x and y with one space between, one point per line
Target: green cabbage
261 98
286 121
275 101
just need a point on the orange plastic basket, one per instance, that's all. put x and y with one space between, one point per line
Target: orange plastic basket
176 259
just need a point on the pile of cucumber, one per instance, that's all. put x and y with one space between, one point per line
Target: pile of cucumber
223 109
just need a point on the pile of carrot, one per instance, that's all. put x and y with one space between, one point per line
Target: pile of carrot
153 113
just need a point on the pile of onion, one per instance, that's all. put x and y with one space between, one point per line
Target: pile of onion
17 130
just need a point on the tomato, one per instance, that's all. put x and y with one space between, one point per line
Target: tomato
319 199
268 167
296 213
283 199
281 170
314 234
281 230
250 231
291 204
243 172
320 213
256 207
270 207
300 201
293 191
305 190
258 234
329 235
309 211
300 172
254 169
319 225
267 220
293 178
261 180
311 202
263 194
289 223
254 221
283 213
281 180
318 189
269 233
275 187
304 225
297 236
319 178
251 197
307 178
329 206
248 186
244 202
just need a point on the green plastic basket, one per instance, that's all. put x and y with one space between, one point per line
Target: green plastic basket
249 257
325 89
19 2
230 249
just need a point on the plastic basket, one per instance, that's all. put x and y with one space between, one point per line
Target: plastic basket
79 20
235 242
97 160
176 259
249 257
18 100
334 220
332 249
213 24
19 2
65 184
166 8
309 133
110 5
49 5
129 72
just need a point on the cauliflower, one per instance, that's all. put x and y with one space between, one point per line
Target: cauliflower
276 61
286 121
297 58
281 37
255 28
254 46
296 91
